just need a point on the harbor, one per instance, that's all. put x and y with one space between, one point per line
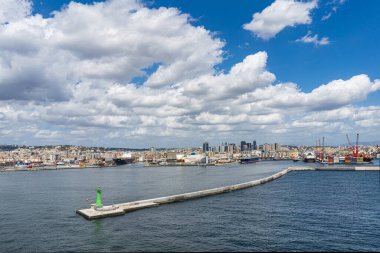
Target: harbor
16 158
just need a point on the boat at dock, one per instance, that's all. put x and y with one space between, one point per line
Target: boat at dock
348 159
122 161
249 160
309 157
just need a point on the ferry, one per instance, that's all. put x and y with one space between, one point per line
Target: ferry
309 157
249 160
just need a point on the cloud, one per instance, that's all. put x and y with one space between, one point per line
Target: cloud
308 38
279 15
14 10
330 96
112 41
245 76
70 79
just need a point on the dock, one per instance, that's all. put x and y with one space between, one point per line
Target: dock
120 209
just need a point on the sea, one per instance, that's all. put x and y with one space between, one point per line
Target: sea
301 211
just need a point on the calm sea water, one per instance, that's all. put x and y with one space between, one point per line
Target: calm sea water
314 211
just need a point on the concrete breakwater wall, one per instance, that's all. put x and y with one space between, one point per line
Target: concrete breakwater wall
120 209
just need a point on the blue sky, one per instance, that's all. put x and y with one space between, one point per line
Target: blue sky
353 31
217 72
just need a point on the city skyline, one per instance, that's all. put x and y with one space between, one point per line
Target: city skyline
125 73
254 145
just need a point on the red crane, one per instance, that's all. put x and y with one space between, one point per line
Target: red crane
355 149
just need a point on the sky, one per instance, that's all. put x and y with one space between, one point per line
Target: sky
165 73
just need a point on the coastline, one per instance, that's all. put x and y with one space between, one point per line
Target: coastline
15 169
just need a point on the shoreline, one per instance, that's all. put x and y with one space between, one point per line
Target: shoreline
15 169
60 167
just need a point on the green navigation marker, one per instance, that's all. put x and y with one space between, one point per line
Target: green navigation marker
99 197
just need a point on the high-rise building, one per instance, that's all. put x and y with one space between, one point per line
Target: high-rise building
243 146
231 148
205 147
254 145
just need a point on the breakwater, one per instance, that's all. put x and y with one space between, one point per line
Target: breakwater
121 209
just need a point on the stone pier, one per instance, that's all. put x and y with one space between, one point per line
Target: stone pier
121 209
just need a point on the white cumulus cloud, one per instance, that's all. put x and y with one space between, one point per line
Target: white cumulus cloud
14 10
279 15
111 41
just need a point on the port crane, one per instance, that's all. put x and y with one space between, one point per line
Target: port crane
323 148
320 149
355 149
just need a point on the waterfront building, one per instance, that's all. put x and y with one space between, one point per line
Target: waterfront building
171 157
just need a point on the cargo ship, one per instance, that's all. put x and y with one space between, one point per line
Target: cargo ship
125 158
249 160
122 161
355 157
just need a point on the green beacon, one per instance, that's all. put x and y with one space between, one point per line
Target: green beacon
99 197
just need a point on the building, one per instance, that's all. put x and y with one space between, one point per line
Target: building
222 149
231 148
243 146
205 147
171 157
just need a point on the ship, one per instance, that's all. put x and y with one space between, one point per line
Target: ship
126 158
355 157
248 160
348 159
122 161
367 158
309 156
